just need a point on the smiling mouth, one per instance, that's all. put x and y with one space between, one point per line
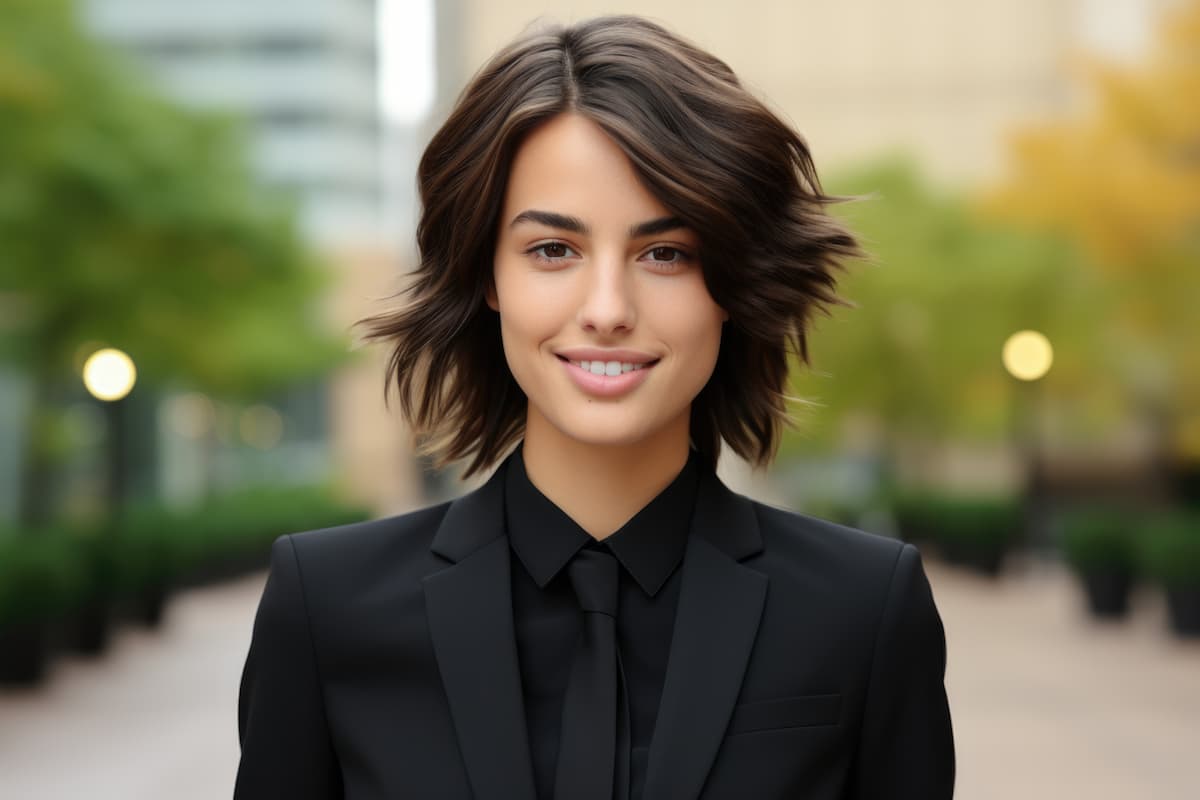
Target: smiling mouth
609 368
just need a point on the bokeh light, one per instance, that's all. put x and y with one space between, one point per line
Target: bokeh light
1028 355
109 374
260 426
191 415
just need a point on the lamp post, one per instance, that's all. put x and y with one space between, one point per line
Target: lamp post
1027 356
109 376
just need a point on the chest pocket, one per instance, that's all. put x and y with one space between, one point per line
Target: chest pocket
799 711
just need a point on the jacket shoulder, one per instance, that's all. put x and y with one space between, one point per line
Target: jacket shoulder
361 553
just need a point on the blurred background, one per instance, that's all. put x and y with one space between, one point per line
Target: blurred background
197 200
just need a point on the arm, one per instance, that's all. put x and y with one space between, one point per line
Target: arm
286 748
906 748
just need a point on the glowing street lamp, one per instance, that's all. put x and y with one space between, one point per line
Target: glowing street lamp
1028 355
109 374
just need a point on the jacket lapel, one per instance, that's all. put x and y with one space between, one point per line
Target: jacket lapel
720 604
469 609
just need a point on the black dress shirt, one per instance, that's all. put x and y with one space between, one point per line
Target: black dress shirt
548 621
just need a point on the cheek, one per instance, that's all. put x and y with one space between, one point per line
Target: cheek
693 323
529 307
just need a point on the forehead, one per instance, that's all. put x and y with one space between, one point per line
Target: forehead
570 165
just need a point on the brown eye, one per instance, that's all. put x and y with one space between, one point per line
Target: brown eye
664 254
551 252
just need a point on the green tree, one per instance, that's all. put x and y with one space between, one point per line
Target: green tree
127 220
920 351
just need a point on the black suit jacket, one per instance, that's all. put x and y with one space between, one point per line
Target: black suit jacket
807 661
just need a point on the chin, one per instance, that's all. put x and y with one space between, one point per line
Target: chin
610 427
614 439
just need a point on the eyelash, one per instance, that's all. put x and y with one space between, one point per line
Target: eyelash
681 256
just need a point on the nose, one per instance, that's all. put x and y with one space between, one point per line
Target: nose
608 304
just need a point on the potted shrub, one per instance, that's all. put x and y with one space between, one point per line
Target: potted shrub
1170 549
231 535
979 529
913 512
144 562
1098 544
40 577
89 623
975 531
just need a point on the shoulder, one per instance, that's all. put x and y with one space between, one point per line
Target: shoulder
352 558
861 585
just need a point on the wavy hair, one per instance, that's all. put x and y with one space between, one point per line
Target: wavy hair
704 146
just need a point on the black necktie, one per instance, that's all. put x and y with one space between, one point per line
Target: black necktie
589 754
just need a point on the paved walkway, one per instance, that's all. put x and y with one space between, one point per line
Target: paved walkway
1046 703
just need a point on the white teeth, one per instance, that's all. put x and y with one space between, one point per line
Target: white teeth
610 368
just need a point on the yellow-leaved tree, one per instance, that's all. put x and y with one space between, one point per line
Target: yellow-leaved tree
1121 178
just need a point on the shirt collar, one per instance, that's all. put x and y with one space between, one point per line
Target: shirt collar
650 545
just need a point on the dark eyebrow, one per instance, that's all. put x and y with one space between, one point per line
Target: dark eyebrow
576 225
655 227
549 218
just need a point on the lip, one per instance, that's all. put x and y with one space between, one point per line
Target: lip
606 385
600 354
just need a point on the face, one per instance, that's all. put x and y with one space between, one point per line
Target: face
606 322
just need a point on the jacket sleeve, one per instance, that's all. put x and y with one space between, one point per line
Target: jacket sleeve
906 748
285 742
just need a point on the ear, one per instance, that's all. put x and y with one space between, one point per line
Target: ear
490 296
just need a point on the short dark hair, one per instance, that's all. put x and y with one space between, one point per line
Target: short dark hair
704 146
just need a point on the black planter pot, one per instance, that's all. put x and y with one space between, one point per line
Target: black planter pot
228 568
247 563
978 557
149 604
1183 605
24 653
985 560
1107 591
89 627
952 553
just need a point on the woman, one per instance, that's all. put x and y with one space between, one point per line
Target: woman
619 247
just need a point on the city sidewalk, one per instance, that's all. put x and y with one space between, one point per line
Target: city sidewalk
1046 703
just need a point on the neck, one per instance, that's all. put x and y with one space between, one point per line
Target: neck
601 487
